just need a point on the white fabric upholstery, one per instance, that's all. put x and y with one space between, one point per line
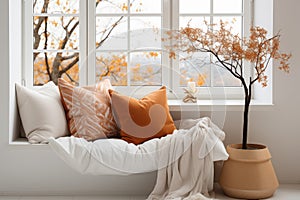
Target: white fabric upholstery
184 160
115 156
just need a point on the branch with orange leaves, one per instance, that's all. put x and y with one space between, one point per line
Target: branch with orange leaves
54 66
111 28
231 51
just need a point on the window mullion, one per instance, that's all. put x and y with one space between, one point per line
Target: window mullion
247 18
211 19
27 72
175 78
166 61
91 40
83 43
128 44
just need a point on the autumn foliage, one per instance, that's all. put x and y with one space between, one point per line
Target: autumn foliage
61 36
114 67
231 52
56 49
59 62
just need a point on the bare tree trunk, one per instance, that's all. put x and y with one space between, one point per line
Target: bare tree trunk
37 26
55 75
55 71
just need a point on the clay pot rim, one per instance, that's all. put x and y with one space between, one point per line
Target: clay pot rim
253 147
260 154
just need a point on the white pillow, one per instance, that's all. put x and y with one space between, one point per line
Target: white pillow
41 112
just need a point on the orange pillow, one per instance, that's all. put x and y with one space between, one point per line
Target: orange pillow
144 119
88 110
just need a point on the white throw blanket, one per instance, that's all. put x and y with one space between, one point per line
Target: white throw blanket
184 160
192 173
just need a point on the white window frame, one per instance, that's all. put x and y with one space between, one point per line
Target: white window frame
136 91
213 92
87 51
27 72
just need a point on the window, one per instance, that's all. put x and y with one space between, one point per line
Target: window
125 42
85 41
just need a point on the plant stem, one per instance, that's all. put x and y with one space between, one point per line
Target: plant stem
246 115
245 127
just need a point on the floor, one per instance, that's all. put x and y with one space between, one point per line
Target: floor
284 192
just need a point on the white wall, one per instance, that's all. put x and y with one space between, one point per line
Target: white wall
278 127
27 170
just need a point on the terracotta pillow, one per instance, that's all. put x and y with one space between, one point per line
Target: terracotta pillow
88 110
144 119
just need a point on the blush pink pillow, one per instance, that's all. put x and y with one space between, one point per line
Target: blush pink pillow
88 110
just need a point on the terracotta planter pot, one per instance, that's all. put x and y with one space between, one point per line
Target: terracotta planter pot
248 174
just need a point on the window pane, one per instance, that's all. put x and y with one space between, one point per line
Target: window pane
56 6
223 78
45 63
145 32
58 29
194 22
195 67
228 6
220 76
146 6
234 21
145 68
194 6
111 6
112 66
111 33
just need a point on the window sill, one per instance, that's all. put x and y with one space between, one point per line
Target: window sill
177 105
218 105
21 142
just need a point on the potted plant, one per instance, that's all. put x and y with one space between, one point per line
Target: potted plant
248 173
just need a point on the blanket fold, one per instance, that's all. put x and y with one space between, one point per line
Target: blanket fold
192 173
